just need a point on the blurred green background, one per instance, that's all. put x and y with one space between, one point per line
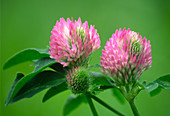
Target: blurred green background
28 23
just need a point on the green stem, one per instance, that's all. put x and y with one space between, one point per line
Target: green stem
91 104
133 107
107 106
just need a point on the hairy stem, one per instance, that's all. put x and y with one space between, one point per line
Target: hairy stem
91 104
133 107
107 106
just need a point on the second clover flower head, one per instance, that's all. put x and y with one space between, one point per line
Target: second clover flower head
73 41
126 56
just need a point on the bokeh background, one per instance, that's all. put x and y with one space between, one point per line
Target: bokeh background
28 23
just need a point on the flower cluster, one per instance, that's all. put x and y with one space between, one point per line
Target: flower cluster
72 42
126 56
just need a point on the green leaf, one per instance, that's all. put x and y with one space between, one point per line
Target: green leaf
155 92
99 82
56 66
118 95
19 76
72 103
95 66
155 87
59 68
54 91
42 62
99 79
26 55
151 86
25 79
40 82
164 81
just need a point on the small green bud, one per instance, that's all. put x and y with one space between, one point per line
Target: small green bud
78 80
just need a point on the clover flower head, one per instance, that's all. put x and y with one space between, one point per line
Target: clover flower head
73 41
126 56
78 80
